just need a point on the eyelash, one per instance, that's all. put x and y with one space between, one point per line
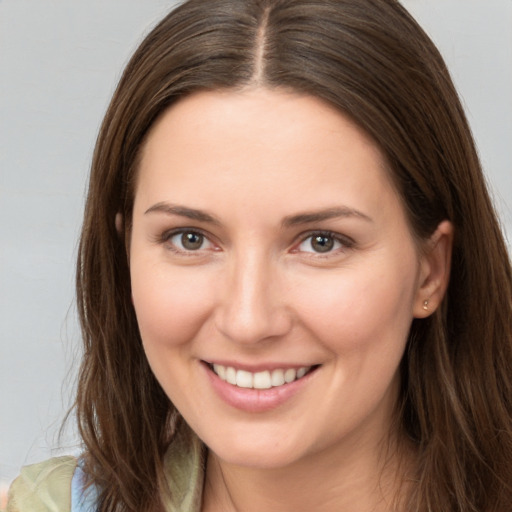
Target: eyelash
166 237
345 242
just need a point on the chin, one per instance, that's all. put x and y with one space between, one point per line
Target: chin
261 452
255 459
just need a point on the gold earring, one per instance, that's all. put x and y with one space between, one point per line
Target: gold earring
425 305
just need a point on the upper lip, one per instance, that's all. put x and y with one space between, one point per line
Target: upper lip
260 367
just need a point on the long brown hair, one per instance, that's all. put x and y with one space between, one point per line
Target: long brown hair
372 61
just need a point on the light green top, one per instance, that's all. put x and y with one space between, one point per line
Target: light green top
46 487
43 487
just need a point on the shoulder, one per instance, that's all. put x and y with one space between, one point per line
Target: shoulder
43 487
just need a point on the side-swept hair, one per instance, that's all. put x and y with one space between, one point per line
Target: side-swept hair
372 61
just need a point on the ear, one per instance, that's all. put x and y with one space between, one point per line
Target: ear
434 270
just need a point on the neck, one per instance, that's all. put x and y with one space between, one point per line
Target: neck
362 477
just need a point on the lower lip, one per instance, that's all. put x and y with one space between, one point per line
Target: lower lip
255 400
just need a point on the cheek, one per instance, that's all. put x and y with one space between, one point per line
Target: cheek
171 304
359 309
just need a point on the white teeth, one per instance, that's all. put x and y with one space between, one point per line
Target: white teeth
301 372
243 379
230 375
220 371
259 380
277 378
290 375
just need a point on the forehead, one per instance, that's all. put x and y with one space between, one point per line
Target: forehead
263 115
256 147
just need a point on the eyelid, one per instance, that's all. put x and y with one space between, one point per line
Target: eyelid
344 240
165 237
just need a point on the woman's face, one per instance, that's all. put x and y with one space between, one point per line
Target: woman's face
274 275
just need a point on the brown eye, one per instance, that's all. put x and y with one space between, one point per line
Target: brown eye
192 241
184 241
322 243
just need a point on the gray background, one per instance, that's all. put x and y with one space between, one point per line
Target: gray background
59 63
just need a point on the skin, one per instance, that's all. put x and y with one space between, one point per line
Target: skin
256 292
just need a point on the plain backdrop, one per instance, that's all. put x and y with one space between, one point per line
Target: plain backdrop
59 63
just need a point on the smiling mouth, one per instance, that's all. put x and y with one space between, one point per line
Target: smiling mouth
260 380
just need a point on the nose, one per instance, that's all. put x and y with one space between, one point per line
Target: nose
252 307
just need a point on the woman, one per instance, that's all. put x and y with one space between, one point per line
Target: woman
293 288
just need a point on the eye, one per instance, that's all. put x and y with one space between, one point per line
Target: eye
189 241
322 243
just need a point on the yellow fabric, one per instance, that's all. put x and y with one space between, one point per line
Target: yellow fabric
46 487
184 465
43 487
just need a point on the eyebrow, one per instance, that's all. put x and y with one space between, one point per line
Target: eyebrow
182 211
289 221
326 214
